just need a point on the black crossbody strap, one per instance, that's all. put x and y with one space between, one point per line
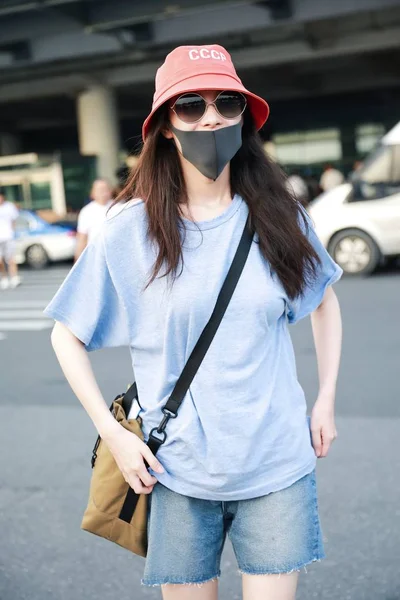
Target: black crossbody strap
129 397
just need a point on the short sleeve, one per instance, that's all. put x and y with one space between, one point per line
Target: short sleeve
88 304
14 212
327 273
83 221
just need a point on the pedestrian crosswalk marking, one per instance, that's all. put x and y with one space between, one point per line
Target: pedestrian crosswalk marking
26 325
42 282
43 287
23 304
21 309
20 314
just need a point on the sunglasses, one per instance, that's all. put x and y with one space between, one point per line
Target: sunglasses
192 107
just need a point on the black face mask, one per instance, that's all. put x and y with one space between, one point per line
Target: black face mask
210 151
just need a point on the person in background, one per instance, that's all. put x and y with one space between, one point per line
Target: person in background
330 178
357 166
8 216
360 190
298 187
312 184
93 214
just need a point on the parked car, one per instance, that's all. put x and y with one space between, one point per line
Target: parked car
68 223
359 221
38 243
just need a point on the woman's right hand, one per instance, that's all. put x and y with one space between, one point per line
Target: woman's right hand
130 453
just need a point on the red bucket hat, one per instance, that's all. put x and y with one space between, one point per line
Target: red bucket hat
190 68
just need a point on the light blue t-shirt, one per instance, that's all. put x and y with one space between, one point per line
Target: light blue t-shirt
242 429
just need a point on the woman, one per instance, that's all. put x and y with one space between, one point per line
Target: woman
238 459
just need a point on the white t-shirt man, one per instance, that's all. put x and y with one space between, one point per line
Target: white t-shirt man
91 218
8 214
330 179
298 187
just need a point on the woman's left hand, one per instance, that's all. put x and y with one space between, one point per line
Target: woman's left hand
323 429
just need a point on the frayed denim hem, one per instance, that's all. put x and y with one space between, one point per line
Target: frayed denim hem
297 568
168 581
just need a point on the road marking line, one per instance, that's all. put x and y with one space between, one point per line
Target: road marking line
26 325
24 304
21 309
59 277
21 314
38 284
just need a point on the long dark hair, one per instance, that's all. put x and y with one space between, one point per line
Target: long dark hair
274 213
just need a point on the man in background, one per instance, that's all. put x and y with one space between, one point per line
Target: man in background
8 216
330 178
298 187
93 214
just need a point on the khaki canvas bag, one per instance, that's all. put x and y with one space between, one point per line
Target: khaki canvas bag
108 490
114 511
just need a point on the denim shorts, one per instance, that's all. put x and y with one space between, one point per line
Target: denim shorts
277 533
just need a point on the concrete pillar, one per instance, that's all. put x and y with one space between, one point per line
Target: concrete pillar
57 189
9 144
99 130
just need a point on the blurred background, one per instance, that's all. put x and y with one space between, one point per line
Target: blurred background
76 82
77 79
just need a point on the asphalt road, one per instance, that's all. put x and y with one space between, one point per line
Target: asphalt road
46 441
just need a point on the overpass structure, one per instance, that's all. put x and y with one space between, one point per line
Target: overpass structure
77 75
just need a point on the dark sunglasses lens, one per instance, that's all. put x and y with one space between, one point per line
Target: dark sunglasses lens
190 107
230 104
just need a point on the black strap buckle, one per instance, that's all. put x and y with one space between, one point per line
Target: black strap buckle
160 430
167 416
155 439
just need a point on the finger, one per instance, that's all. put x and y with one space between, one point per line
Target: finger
151 459
326 444
316 441
138 486
145 476
325 449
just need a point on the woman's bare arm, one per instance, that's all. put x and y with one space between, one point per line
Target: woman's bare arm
326 324
77 368
327 331
127 449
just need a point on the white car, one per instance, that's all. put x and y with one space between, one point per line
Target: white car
359 222
38 242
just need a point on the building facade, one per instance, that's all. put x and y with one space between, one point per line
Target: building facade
76 81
